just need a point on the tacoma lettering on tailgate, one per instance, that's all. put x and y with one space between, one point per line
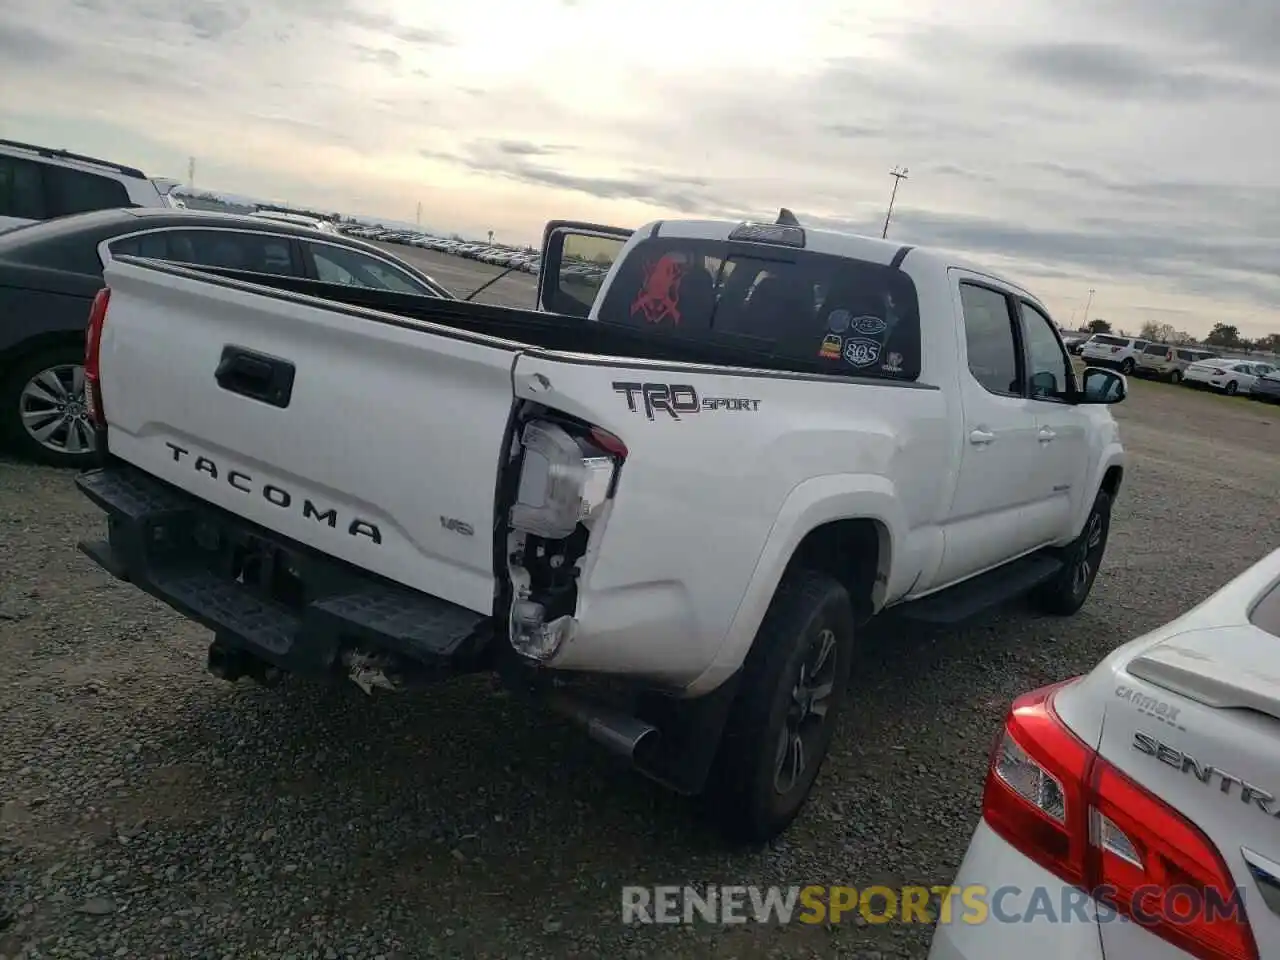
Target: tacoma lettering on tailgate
274 494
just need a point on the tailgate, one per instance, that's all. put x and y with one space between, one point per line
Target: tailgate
384 454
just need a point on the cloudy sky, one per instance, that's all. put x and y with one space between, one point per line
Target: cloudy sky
1125 146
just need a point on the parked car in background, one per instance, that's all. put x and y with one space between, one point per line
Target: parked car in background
39 183
1267 387
1074 342
301 220
1229 376
1152 779
49 273
1168 362
1113 351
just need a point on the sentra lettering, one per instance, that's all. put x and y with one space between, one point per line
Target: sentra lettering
274 494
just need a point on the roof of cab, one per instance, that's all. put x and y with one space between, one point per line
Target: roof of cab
836 243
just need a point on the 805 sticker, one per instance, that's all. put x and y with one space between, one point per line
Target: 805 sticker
860 352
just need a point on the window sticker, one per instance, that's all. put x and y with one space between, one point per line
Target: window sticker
659 296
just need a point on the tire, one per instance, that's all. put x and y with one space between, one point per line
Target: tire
42 408
1176 377
1067 592
1232 388
1126 366
755 789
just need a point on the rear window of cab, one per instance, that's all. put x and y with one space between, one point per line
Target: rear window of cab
817 313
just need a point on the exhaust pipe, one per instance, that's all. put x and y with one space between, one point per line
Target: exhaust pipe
620 733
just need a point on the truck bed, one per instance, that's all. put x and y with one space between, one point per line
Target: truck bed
532 328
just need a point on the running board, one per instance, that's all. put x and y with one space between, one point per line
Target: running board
979 594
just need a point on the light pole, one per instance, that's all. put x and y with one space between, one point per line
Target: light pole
1087 304
898 176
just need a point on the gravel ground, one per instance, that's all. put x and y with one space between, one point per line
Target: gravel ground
150 810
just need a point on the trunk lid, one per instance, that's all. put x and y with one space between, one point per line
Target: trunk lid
385 456
1194 717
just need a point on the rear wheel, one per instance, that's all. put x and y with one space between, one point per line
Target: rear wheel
1068 590
792 688
43 408
1232 388
1126 366
1175 377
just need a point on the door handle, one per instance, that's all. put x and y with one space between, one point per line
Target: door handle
1046 434
257 376
981 438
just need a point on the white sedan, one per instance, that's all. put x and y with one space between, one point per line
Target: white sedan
1134 813
1229 376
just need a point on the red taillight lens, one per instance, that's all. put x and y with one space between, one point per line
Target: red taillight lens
607 442
92 349
1053 798
1035 787
1115 349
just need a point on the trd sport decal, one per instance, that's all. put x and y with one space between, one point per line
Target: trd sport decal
659 297
677 400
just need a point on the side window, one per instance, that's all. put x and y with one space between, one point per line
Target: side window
1051 373
990 340
230 249
350 267
154 245
73 191
21 190
585 261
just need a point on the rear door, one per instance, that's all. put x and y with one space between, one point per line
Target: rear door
576 258
383 451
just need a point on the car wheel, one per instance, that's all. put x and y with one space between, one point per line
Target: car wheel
1069 589
1126 366
1232 388
1175 377
780 725
44 411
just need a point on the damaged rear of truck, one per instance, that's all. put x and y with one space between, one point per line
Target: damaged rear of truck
397 490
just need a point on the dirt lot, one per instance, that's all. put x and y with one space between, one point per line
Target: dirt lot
149 810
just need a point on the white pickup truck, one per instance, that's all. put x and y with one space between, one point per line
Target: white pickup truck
667 506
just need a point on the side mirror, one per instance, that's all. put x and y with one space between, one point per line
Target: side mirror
575 259
1044 384
1102 386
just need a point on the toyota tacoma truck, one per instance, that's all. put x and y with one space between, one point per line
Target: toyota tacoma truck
666 500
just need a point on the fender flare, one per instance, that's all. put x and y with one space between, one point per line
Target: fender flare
1112 456
809 505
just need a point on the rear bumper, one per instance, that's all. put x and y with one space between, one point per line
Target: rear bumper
1012 907
285 604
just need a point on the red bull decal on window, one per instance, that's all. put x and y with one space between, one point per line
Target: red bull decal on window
659 297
